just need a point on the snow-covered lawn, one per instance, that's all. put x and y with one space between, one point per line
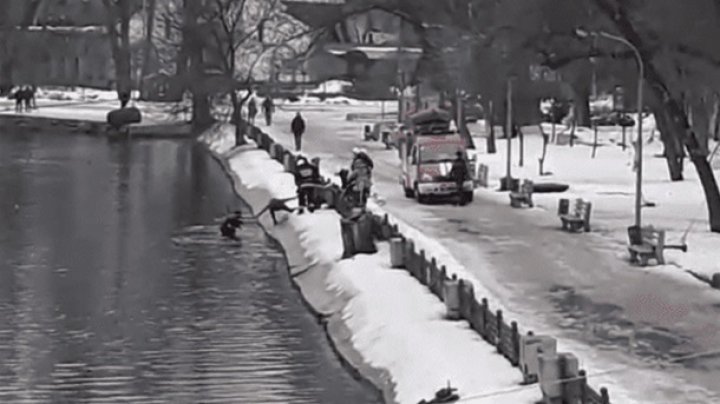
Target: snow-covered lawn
396 323
92 105
608 181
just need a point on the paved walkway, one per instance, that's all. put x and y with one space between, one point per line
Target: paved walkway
577 287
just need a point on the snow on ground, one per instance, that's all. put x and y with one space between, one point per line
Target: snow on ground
331 87
518 259
608 181
397 324
93 105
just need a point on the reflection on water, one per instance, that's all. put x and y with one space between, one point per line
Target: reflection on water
115 287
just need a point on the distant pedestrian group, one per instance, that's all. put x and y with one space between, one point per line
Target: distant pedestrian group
24 98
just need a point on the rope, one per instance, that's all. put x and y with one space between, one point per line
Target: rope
579 378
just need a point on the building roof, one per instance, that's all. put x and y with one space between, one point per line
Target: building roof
374 52
315 13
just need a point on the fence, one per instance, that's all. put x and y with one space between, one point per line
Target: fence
491 326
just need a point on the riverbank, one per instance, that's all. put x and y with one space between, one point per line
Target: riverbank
88 116
384 323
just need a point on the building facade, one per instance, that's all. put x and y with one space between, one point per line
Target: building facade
55 43
374 48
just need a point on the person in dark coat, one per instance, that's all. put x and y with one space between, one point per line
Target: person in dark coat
459 174
28 95
229 226
268 109
19 95
298 128
252 111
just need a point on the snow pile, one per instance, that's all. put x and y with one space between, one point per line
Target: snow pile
396 323
331 87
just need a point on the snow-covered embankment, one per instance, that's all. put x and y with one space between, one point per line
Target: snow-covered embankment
383 322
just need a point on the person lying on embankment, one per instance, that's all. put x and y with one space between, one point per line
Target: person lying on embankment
276 205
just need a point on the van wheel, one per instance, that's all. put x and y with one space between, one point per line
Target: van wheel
420 197
468 196
408 192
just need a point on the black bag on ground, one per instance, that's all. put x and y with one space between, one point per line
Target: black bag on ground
123 116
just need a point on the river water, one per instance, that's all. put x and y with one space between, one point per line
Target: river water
115 287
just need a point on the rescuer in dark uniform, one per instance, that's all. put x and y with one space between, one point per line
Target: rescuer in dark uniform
307 177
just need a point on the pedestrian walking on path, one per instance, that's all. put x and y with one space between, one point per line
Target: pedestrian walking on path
298 129
459 174
268 109
252 111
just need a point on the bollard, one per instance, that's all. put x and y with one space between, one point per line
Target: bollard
408 254
362 235
563 206
397 256
531 346
549 374
715 283
451 295
569 370
289 163
346 229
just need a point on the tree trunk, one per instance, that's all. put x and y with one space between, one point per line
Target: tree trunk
490 121
715 119
193 41
462 126
581 101
700 123
120 45
673 150
148 45
239 122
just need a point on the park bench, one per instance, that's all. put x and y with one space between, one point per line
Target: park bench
523 195
578 218
652 244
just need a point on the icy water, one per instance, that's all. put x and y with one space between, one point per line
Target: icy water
114 286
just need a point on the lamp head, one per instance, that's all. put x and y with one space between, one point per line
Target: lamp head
581 33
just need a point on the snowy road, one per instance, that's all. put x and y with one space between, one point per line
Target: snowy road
575 287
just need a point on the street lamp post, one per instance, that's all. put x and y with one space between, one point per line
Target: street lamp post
639 144
509 133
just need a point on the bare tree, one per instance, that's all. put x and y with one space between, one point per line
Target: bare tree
243 36
119 13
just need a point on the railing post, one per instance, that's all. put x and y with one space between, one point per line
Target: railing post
515 360
498 339
604 395
484 317
583 387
